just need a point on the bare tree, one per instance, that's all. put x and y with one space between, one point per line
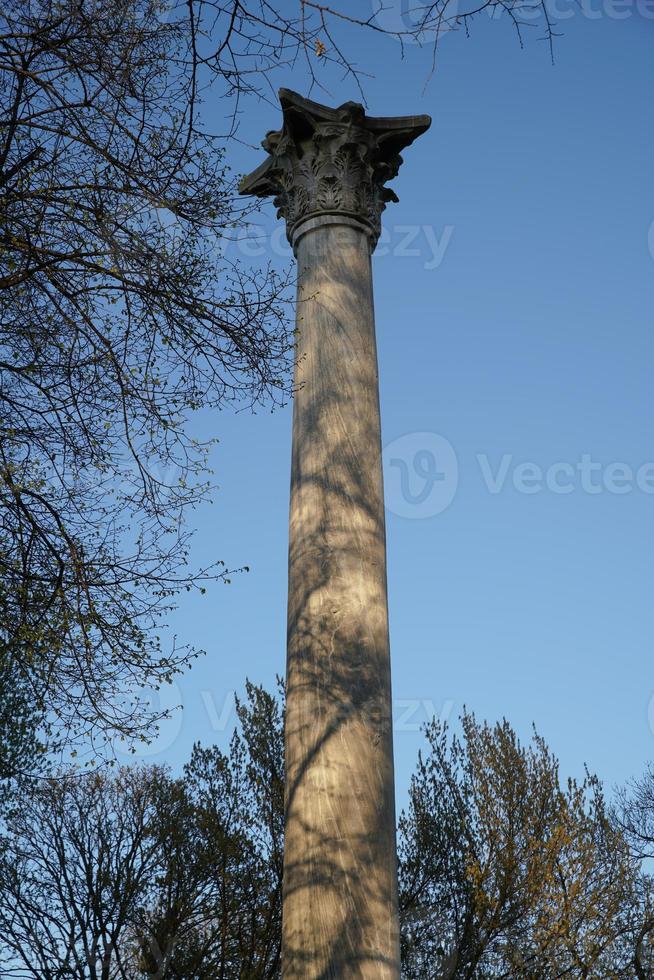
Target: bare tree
82 860
140 875
247 42
118 318
634 815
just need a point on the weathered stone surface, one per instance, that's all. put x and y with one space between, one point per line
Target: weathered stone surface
332 161
340 903
340 880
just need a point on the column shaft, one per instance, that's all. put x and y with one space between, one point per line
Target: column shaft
340 881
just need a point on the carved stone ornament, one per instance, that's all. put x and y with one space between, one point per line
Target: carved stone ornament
332 162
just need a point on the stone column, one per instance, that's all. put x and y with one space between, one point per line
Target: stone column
327 170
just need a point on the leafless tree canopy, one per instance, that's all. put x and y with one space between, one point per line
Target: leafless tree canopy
247 42
140 875
117 319
634 815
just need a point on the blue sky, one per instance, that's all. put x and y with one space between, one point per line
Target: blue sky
514 295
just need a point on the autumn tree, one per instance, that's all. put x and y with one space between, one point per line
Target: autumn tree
506 873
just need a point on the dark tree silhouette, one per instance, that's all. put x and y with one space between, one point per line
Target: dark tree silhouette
140 875
21 750
117 319
633 813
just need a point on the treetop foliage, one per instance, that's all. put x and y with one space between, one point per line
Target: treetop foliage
505 873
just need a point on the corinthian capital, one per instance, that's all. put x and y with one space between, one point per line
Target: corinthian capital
332 162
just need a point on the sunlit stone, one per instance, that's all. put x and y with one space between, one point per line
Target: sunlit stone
327 170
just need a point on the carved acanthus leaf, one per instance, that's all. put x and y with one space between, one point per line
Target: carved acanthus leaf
332 161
